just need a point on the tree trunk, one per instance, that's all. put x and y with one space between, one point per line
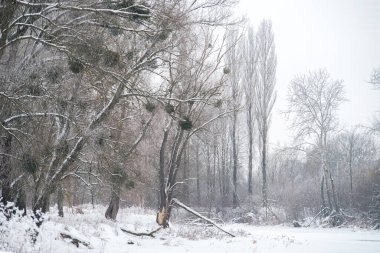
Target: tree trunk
198 176
224 174
91 189
21 199
60 201
208 170
235 161
43 205
213 189
250 150
322 192
46 204
264 167
327 188
6 170
178 148
163 214
214 163
113 206
186 168
162 218
220 172
335 199
324 169
117 180
351 188
8 9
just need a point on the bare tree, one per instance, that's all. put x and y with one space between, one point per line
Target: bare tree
313 101
250 80
193 86
5 154
118 175
265 95
357 149
62 35
233 69
104 69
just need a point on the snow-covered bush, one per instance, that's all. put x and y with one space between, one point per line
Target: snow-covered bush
18 232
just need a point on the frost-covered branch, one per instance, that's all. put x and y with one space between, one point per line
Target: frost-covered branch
36 114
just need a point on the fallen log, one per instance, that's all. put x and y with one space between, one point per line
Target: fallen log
151 234
192 211
74 240
316 216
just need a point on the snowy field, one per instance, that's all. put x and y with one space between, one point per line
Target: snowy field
103 235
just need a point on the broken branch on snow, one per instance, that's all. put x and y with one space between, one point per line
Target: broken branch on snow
151 234
192 211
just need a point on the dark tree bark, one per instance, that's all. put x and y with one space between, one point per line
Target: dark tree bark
6 13
60 201
113 206
46 204
162 215
118 176
5 170
5 153
21 199
166 190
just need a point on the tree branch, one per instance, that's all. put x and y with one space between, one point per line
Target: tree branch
151 234
192 211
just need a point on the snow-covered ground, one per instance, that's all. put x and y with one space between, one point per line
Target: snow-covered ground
105 236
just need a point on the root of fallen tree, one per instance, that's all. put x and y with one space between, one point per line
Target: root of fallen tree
151 234
192 211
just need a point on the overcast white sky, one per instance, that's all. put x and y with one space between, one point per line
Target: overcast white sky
342 36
